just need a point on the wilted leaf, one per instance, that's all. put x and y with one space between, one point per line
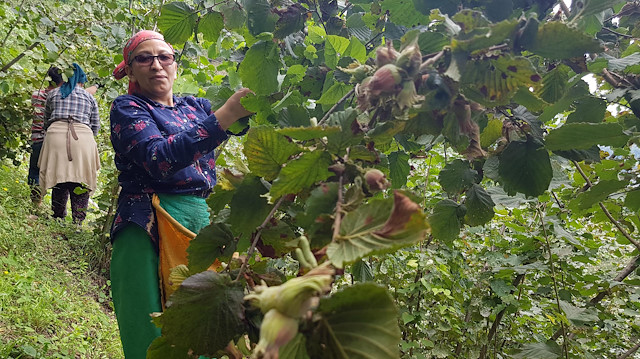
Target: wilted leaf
377 227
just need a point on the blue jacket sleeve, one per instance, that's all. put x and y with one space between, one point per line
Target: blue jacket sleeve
136 136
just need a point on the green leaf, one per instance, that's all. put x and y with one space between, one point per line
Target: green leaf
267 151
588 109
301 173
296 348
554 84
581 136
479 206
234 15
249 207
308 133
457 176
445 220
599 192
579 316
210 25
556 40
377 227
204 314
403 12
577 89
161 348
399 168
260 18
491 133
361 271
177 21
337 91
501 288
322 200
359 322
259 69
632 200
335 47
593 7
548 350
356 50
525 168
339 142
214 241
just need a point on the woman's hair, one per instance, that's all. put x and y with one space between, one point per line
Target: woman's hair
56 76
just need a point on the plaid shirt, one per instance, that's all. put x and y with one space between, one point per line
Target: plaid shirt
79 105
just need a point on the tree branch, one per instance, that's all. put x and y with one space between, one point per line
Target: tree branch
606 211
17 58
628 269
631 350
259 229
494 328
332 109
337 221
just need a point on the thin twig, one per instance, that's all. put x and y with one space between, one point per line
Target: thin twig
628 269
494 328
338 220
617 33
259 229
606 211
630 352
565 9
332 109
555 282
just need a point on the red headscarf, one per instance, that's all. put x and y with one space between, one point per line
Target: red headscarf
131 45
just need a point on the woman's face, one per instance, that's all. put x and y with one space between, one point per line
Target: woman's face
154 79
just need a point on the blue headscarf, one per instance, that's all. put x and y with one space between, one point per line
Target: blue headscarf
78 76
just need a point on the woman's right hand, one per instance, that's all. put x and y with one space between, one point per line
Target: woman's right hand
232 110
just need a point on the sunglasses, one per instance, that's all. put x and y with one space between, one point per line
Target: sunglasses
164 59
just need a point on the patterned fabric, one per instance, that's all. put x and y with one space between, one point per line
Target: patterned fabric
38 99
161 149
79 104
131 45
79 202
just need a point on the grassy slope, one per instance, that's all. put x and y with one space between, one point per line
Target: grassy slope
54 294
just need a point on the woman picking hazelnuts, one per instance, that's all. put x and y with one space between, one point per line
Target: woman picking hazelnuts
164 146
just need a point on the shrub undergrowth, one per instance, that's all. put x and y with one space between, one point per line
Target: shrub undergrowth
54 289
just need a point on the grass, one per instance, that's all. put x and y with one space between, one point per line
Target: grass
54 290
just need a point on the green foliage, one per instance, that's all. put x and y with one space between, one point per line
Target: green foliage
487 243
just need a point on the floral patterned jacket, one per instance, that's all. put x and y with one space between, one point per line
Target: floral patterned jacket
161 149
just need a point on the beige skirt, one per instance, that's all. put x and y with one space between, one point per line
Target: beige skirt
60 146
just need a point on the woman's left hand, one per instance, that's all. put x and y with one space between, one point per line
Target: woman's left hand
232 110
